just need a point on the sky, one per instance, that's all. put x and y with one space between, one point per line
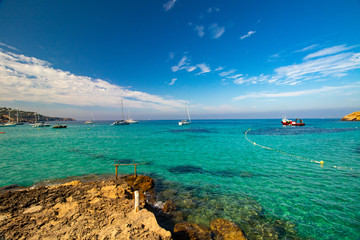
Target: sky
231 59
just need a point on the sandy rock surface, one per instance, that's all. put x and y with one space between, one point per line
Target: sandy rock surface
76 210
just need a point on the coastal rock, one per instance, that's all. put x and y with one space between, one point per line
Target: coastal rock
169 206
82 210
140 182
192 231
355 116
226 230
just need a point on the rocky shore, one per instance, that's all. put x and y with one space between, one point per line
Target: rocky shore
355 116
98 210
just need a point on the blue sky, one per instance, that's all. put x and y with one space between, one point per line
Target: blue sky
226 59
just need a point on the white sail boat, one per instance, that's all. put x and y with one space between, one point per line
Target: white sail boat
187 119
129 119
17 119
90 121
123 121
38 124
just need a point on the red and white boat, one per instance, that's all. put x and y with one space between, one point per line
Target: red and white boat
297 122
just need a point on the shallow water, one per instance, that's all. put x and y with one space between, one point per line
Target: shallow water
215 171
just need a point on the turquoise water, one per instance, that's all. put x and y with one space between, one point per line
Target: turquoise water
214 170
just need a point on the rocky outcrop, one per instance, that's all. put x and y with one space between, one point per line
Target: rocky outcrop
192 231
355 116
24 116
226 230
76 210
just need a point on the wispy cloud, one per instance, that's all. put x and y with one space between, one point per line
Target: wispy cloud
173 81
219 68
216 31
25 78
8 47
247 35
200 30
307 48
213 9
223 74
324 89
325 65
204 68
169 5
184 64
328 51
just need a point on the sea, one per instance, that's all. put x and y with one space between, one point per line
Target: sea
274 181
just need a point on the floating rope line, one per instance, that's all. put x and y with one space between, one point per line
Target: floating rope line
289 154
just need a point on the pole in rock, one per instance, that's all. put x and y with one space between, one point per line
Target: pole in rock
136 193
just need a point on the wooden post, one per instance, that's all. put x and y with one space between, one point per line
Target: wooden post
116 168
137 201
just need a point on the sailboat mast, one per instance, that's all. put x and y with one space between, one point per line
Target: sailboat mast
122 108
188 114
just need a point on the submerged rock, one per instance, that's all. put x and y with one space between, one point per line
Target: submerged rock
226 230
192 231
355 116
186 169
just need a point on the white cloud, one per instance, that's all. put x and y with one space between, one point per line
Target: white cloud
213 9
216 31
172 81
223 74
25 78
169 5
328 51
247 35
9 47
295 93
204 68
307 48
200 30
310 69
184 64
219 68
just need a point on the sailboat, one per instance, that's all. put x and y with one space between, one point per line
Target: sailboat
17 119
129 119
123 121
187 119
8 124
90 121
37 124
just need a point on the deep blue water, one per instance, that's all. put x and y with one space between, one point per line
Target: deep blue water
211 170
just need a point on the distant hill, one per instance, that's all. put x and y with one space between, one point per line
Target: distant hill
26 116
355 116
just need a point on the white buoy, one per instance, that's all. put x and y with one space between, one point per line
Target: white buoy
137 201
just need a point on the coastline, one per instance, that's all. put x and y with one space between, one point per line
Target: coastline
98 209
104 209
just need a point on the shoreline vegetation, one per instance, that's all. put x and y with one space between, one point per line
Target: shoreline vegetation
26 116
104 209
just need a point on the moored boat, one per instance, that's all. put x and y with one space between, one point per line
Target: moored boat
297 122
123 121
187 119
60 126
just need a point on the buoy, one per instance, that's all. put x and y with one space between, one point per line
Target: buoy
2 132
